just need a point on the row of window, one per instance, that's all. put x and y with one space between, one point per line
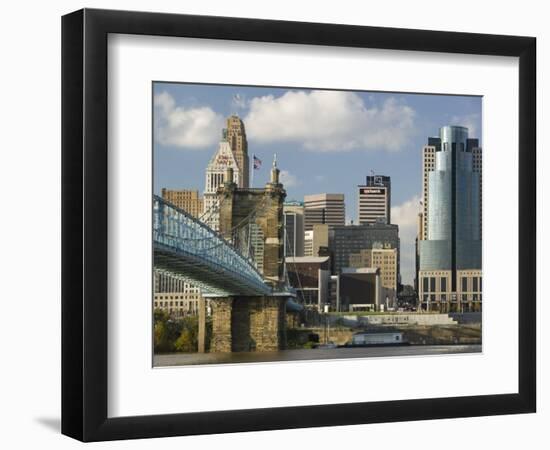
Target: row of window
169 304
428 284
171 297
445 297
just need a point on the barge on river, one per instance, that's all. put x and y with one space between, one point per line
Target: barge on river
366 339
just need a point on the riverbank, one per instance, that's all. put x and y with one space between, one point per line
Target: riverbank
466 334
183 359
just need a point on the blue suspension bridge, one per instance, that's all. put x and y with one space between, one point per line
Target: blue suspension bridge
241 269
188 249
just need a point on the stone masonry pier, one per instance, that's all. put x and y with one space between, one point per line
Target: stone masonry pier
241 324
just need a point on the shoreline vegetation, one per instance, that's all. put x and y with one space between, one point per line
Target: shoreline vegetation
180 335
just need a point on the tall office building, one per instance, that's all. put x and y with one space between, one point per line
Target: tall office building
374 200
324 209
419 226
215 173
236 136
428 165
186 199
477 160
449 277
293 219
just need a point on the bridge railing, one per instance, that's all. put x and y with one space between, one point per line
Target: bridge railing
177 229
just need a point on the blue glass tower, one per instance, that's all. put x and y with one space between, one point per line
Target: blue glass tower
453 236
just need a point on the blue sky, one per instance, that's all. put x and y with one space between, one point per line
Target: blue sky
325 141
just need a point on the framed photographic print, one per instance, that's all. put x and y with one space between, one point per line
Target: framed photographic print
273 224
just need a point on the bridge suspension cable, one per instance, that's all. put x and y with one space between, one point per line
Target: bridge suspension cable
181 249
240 235
287 242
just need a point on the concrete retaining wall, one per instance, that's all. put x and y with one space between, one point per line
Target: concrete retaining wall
395 319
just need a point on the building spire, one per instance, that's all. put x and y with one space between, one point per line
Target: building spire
275 171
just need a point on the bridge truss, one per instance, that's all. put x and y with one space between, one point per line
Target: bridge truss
188 249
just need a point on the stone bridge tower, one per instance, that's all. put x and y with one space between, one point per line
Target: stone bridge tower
263 207
257 323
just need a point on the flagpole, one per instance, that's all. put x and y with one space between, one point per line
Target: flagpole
252 176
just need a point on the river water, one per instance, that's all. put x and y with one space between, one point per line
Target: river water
182 359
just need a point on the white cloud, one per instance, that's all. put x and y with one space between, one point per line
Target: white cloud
406 216
287 179
191 128
330 121
470 121
239 102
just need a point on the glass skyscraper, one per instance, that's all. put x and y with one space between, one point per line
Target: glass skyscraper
452 241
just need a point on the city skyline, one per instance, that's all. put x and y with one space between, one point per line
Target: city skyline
332 154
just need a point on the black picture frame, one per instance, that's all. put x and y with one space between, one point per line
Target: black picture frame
84 224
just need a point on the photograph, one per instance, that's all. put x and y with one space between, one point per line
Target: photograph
296 224
267 225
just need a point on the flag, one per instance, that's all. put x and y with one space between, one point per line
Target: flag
257 162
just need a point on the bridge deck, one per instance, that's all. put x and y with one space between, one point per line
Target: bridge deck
187 248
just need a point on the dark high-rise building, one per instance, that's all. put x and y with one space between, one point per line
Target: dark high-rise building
349 240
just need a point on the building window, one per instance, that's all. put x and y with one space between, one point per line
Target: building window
464 284
432 284
474 280
443 285
425 284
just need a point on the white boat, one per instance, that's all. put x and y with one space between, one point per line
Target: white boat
363 339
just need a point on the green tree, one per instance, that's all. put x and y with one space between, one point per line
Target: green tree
166 332
188 339
178 335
